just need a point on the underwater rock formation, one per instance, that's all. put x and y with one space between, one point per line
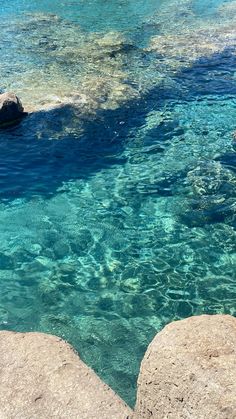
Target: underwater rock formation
106 68
189 371
97 76
11 108
185 41
42 377
182 49
212 192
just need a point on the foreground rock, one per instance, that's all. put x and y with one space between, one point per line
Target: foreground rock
189 371
11 109
41 377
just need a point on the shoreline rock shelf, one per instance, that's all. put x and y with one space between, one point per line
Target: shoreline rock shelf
188 371
42 377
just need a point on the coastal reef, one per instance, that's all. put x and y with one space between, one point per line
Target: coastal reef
42 377
11 109
103 70
69 66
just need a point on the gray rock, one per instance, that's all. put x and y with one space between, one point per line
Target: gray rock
11 108
42 378
189 371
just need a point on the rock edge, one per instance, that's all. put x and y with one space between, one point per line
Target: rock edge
11 109
42 378
189 371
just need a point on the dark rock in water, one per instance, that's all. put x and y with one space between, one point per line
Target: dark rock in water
11 109
228 160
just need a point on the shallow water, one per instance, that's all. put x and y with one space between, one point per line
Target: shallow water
118 206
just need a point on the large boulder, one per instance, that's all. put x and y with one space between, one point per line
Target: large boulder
42 378
11 108
189 371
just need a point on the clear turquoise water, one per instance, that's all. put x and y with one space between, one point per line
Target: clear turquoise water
118 220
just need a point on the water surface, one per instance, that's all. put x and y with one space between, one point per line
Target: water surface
117 211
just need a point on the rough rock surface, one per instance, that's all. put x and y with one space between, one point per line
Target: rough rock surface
189 371
11 108
41 377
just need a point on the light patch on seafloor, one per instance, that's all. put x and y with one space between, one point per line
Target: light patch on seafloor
65 63
202 39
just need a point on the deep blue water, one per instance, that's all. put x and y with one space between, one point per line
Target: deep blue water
117 214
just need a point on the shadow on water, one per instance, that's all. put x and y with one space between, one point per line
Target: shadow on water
49 148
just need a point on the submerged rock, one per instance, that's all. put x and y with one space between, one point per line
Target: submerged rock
41 377
189 371
86 70
11 109
212 191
